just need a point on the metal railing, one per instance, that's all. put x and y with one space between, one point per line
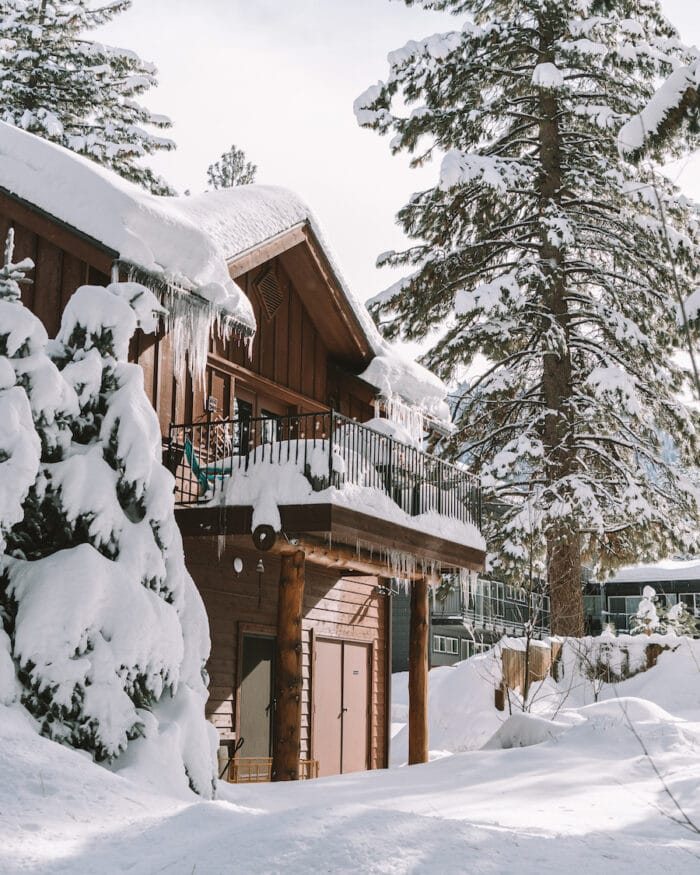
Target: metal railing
330 450
492 605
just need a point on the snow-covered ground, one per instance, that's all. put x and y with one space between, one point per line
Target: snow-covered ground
587 796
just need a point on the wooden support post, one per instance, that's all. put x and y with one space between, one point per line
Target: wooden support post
286 746
418 674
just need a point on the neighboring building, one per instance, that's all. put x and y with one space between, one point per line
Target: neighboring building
674 581
293 513
465 621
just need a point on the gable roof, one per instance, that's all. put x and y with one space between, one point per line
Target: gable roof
189 248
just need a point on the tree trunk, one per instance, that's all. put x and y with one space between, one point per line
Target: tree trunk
286 745
563 541
418 674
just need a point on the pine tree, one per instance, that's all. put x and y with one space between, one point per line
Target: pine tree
81 94
231 169
544 250
107 631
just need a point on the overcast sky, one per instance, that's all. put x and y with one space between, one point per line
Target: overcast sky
278 78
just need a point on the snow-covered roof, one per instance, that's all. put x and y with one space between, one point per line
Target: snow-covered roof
186 242
668 569
242 218
149 232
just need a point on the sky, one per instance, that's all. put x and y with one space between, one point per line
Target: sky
278 78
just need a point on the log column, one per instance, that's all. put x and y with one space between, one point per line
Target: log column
286 746
418 674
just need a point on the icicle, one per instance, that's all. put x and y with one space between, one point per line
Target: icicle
220 546
408 416
191 321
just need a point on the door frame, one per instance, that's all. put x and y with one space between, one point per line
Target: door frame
257 630
370 644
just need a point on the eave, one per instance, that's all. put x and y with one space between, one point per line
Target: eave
337 537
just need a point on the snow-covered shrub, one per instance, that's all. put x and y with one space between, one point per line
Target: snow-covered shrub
653 616
108 631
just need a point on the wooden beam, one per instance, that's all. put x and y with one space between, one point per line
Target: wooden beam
418 674
286 744
309 525
256 383
253 257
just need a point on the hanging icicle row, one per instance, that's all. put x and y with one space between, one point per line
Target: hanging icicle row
190 320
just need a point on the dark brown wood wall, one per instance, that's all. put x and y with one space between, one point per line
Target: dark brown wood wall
57 272
339 608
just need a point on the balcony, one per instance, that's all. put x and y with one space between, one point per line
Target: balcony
340 472
495 606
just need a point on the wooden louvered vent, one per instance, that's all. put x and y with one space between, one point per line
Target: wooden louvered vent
270 291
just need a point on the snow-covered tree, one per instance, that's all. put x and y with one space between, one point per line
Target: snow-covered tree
544 250
81 94
231 169
108 632
21 337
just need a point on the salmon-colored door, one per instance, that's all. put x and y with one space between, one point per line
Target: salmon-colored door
341 698
328 705
355 710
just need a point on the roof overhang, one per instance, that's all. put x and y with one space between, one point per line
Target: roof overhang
339 537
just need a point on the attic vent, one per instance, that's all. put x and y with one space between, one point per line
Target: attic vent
270 292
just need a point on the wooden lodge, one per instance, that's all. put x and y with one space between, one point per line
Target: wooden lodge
298 604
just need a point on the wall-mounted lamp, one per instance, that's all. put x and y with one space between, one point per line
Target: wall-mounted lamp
260 568
238 565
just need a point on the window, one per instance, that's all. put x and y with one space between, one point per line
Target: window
691 601
467 648
443 644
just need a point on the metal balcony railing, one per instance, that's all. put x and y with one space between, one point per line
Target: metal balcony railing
493 605
330 450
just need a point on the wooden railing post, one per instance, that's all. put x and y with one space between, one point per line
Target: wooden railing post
286 746
418 673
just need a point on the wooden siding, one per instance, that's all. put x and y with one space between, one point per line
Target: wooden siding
345 608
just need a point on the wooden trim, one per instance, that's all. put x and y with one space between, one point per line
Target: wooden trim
388 632
339 299
256 255
258 384
60 233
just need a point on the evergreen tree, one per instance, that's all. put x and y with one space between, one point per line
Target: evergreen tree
107 631
81 94
543 249
231 169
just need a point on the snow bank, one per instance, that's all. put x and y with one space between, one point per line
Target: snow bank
463 716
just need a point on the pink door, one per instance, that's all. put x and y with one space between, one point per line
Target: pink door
355 710
328 705
341 700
